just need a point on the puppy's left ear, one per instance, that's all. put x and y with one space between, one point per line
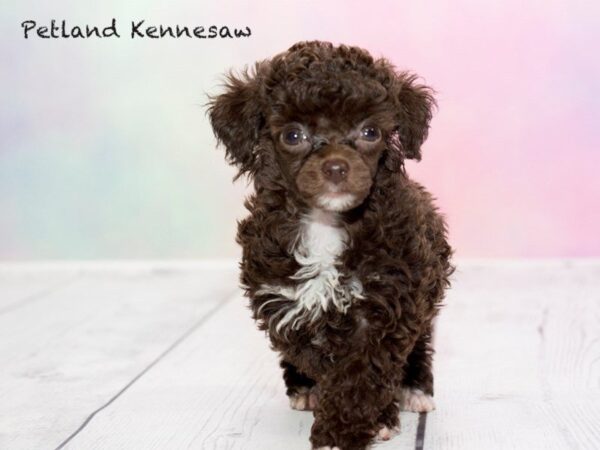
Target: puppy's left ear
414 104
236 119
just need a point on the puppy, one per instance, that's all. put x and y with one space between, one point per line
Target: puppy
345 259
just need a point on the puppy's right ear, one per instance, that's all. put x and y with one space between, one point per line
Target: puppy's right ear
236 119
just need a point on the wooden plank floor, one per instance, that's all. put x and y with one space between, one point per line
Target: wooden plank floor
165 356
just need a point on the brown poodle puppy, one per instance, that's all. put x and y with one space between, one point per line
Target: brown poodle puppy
345 259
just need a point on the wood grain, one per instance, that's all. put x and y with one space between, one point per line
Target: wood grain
518 362
71 351
165 355
18 288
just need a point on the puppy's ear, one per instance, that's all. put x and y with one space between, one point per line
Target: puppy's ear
236 119
414 105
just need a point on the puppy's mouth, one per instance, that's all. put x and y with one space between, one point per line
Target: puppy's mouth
337 201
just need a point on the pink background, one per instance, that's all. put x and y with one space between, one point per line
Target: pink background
105 151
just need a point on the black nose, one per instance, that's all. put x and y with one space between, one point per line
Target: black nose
335 170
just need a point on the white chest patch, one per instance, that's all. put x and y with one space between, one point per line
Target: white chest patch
319 245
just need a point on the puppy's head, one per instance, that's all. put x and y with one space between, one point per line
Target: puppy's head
327 118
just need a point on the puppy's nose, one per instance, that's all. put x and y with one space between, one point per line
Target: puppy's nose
335 170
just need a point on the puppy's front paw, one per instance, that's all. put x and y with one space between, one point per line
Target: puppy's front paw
415 400
304 400
327 447
386 433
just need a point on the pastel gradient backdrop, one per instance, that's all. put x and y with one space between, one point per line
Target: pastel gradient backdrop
105 151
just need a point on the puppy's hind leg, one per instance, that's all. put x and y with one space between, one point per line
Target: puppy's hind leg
300 389
416 393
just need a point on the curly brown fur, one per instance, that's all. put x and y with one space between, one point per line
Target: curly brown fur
345 259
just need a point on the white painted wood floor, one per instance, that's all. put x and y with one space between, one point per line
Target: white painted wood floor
165 356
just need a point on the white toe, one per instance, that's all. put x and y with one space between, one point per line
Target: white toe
385 433
298 401
304 400
415 400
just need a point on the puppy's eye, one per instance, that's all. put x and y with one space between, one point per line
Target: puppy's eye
370 134
293 136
